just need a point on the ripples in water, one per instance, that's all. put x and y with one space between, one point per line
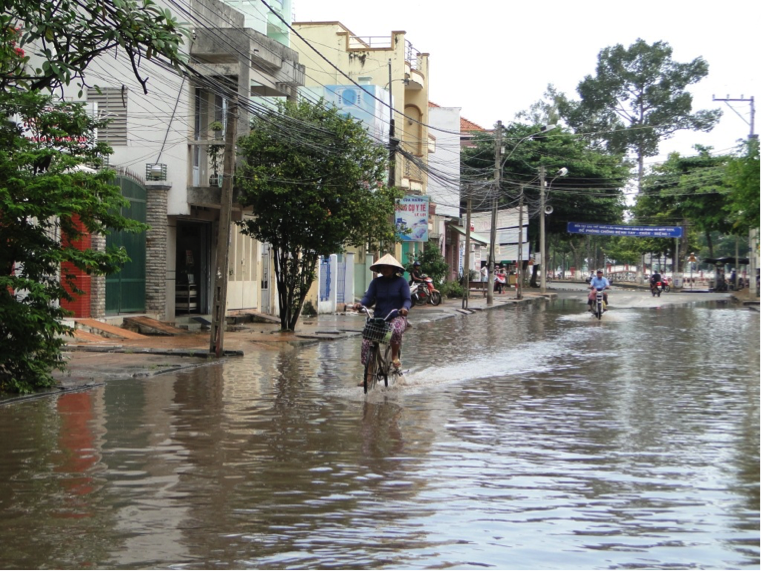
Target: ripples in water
519 438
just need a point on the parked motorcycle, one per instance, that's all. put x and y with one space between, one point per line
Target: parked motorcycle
424 292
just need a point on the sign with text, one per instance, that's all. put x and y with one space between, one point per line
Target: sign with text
411 218
634 231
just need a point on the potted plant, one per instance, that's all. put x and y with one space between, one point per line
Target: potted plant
215 151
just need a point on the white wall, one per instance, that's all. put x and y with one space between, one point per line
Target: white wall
445 161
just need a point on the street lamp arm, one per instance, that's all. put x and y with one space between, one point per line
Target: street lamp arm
543 130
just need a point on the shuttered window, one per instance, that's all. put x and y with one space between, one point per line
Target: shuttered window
112 105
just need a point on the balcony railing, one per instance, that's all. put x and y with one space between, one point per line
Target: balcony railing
377 42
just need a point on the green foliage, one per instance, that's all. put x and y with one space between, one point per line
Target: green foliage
432 264
742 178
452 289
47 199
637 98
592 191
685 188
626 249
309 310
314 194
70 35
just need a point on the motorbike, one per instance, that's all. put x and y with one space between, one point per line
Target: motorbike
656 288
598 303
424 292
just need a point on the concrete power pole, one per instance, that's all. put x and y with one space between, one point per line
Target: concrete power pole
542 263
519 268
753 233
219 302
466 267
495 204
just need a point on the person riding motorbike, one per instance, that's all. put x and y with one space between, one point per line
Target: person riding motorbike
654 279
416 274
387 292
598 283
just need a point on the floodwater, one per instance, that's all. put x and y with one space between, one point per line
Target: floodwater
522 438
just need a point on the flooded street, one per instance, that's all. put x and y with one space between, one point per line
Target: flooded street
526 437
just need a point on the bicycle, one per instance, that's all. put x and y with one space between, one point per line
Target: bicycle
377 330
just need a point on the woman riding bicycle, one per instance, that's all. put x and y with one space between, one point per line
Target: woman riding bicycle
388 292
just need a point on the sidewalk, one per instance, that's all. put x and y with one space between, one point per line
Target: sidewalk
94 360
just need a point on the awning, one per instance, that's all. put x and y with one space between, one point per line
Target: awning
727 260
473 236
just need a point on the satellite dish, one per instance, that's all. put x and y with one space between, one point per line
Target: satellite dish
548 210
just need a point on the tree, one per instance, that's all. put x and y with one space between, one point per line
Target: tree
637 98
48 199
686 188
743 180
592 191
47 195
315 180
70 35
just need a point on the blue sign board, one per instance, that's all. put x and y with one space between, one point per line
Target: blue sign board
634 231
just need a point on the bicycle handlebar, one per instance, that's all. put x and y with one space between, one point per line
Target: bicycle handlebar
364 309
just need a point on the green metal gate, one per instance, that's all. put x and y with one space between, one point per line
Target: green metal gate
125 290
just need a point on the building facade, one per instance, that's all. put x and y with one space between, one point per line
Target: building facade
169 146
391 63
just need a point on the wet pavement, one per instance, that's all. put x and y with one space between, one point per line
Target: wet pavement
531 436
93 362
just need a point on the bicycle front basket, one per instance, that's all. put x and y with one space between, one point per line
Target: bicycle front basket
377 330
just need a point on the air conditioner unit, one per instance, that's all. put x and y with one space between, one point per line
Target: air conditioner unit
349 96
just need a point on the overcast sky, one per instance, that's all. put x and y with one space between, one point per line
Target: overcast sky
494 58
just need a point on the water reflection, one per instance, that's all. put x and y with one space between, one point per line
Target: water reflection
520 438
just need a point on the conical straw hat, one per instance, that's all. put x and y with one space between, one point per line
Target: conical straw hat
387 260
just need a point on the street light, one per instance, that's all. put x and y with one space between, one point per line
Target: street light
499 164
542 213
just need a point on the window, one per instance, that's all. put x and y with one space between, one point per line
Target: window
111 104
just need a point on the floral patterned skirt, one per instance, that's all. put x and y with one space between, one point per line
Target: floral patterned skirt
398 326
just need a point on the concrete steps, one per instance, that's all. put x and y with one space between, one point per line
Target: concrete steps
96 327
147 326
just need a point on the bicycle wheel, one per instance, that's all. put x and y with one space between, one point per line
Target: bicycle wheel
384 364
371 368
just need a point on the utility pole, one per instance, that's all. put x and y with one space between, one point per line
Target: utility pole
543 264
753 245
519 273
753 232
391 134
495 203
219 302
466 267
752 121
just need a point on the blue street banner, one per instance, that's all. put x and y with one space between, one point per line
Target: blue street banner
621 230
412 218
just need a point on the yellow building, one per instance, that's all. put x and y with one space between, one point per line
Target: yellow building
333 55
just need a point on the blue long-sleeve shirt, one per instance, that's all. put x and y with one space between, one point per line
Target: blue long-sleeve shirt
387 294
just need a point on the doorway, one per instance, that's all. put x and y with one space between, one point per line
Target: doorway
193 275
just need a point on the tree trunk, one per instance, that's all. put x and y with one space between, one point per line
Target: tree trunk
709 242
